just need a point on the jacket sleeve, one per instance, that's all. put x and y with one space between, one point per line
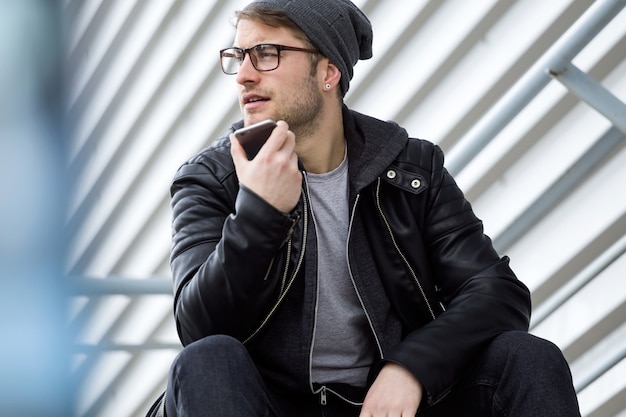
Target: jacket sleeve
482 295
224 241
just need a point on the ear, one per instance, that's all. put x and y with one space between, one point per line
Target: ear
331 75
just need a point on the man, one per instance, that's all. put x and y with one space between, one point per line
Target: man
340 272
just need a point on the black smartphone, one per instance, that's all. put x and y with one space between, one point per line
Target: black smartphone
254 136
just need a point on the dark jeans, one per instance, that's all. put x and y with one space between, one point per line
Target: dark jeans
517 375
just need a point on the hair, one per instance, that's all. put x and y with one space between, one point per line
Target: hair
278 19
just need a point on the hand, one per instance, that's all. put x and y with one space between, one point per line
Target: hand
273 174
394 393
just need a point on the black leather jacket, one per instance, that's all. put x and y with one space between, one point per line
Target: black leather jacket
433 288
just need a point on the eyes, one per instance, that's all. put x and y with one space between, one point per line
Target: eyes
264 57
265 52
258 52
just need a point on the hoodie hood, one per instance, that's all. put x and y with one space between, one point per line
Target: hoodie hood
372 146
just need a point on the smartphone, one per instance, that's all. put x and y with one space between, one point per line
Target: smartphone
254 136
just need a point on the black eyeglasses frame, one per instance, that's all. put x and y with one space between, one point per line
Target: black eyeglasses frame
252 51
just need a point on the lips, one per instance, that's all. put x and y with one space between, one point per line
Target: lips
252 99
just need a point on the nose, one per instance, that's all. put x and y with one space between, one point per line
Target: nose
247 73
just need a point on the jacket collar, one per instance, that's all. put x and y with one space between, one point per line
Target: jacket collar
372 146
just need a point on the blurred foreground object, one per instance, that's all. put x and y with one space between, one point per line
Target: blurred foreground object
34 354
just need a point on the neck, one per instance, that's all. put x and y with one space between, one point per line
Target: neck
323 149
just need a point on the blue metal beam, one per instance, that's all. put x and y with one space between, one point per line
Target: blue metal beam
514 101
591 92
121 286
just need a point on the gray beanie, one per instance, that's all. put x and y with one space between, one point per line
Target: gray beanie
338 28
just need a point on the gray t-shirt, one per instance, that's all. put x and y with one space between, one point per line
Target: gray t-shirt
343 346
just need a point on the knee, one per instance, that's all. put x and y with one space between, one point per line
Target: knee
531 352
215 348
527 346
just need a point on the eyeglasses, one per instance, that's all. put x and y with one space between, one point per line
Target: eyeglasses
264 57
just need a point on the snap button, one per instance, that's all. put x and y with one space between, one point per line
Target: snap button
416 183
391 174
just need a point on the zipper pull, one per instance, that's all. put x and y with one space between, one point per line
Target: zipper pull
323 396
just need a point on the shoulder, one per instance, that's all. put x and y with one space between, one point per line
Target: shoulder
395 142
419 166
422 153
215 160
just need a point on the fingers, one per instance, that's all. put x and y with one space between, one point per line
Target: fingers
394 393
236 150
281 140
273 173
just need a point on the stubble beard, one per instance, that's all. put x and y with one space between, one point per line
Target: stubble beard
303 110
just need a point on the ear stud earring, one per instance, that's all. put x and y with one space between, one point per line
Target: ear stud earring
328 86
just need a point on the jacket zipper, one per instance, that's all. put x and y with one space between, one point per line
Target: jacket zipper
293 276
289 244
367 314
406 263
323 390
283 281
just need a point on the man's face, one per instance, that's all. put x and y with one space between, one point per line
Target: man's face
290 92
